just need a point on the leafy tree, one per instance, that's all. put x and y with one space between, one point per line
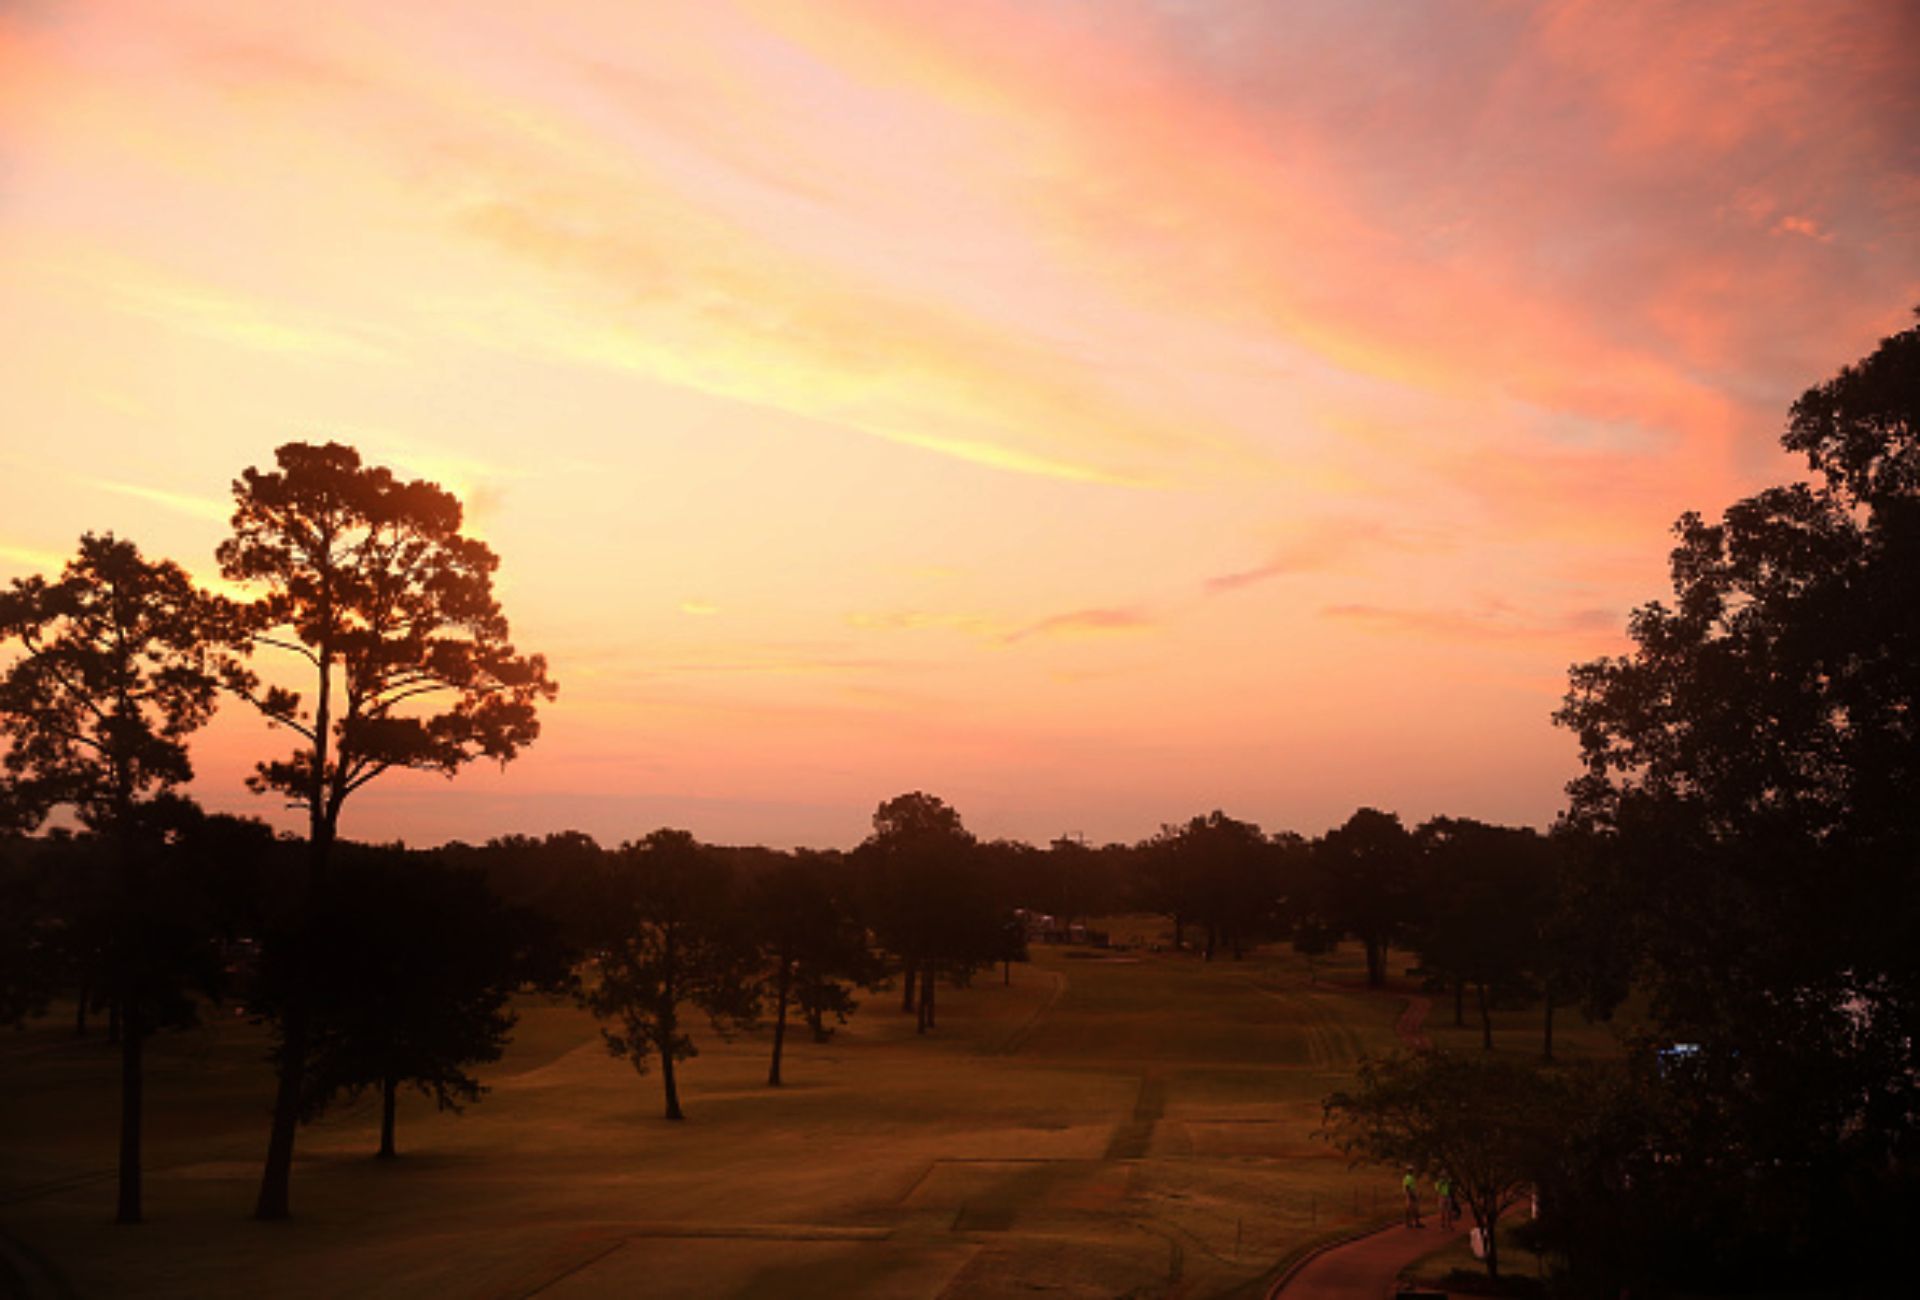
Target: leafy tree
554 875
119 664
422 965
1751 766
929 900
1491 892
387 610
1584 950
1489 1123
674 936
1368 884
1072 879
812 943
1217 871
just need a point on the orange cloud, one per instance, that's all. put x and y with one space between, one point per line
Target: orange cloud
1081 622
1491 621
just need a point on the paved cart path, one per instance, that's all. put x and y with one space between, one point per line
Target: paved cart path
1364 1269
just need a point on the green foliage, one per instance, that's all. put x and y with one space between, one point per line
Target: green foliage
1490 1123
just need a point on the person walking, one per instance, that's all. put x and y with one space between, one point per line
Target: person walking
1412 1189
1443 1188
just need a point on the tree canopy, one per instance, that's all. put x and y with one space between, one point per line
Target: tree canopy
387 608
120 662
1750 769
672 937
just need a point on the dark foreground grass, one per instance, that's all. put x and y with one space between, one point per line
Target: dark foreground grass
1096 1128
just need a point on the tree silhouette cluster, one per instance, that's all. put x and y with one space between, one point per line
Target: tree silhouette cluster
1741 849
1749 793
386 610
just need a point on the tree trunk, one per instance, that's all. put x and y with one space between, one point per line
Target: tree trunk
1006 971
1207 955
780 1020
1546 1048
1376 963
926 996
132 1041
80 1013
1459 1003
113 1021
389 1097
672 1089
817 1022
1179 932
1490 1229
907 1004
1486 1017
275 1200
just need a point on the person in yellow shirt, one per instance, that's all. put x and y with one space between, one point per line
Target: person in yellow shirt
1412 1189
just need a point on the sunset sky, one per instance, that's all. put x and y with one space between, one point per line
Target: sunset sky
1094 414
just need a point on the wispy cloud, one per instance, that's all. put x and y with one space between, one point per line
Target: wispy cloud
1327 545
1008 631
1086 622
227 317
914 620
1488 621
197 507
29 557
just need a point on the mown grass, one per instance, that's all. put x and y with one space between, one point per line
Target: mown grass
1098 1128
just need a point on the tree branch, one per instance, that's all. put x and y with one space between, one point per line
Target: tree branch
294 646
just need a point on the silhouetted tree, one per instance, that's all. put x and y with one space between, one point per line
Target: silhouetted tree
554 875
1218 871
119 663
930 902
1586 938
1752 762
1367 883
388 610
675 935
1492 890
1072 880
422 964
812 943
